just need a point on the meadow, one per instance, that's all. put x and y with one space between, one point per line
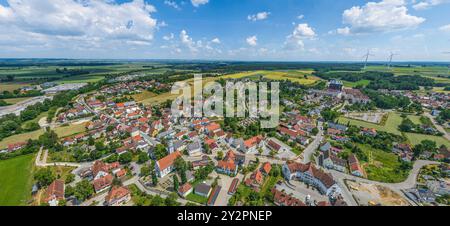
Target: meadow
391 124
62 131
16 180
384 166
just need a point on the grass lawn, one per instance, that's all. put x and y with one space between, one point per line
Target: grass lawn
391 125
20 138
358 83
416 138
385 166
16 180
16 100
61 156
65 131
62 172
196 198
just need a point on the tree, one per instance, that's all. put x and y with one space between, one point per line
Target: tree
220 155
145 171
329 115
160 151
70 178
83 190
154 179
125 158
176 183
143 157
44 176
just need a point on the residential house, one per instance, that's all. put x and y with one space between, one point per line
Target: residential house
55 193
185 189
194 148
118 196
331 161
165 165
282 199
103 183
355 167
228 165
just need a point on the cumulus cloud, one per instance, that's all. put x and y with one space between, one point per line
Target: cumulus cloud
300 17
252 40
296 39
198 3
172 4
168 37
445 28
427 4
258 16
216 41
90 21
383 16
187 41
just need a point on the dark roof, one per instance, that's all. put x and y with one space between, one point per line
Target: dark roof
202 188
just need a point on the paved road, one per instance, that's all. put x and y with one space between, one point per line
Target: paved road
410 182
309 151
438 127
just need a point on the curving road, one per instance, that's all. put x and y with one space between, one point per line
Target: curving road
410 182
309 151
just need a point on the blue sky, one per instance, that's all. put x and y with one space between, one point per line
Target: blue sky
291 30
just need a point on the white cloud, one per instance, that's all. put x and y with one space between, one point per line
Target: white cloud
296 39
90 23
300 17
198 3
187 41
445 28
172 4
343 31
383 16
252 40
216 41
427 4
168 37
258 16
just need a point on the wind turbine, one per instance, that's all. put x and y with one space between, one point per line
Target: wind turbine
390 60
367 58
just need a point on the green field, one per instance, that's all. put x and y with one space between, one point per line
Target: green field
81 79
196 198
16 180
435 72
16 100
384 167
416 138
391 124
355 84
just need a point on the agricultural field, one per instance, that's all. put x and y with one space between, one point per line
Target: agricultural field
81 79
11 86
391 124
16 190
143 96
62 131
437 73
355 84
303 77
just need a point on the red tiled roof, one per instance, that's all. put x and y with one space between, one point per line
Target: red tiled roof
266 167
103 182
325 178
117 193
167 161
55 191
185 188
